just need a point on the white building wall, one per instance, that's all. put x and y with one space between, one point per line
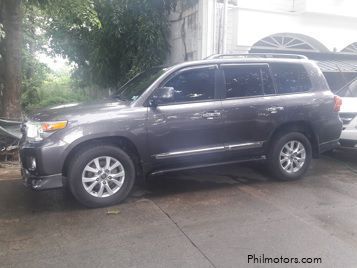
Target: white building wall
332 22
250 25
207 25
343 8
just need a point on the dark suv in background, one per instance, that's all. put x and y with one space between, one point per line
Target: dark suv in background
222 110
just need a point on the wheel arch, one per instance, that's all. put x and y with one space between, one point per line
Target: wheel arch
298 126
121 142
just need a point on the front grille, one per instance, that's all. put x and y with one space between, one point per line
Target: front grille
347 117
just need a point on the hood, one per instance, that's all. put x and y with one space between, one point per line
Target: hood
349 105
73 110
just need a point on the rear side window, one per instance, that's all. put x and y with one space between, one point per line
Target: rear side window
247 81
290 78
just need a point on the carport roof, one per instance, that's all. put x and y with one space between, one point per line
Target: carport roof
345 66
331 62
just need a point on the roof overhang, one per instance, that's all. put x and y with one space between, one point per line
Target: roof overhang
328 62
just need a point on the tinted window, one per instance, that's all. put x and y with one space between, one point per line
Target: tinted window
245 81
193 85
268 85
290 78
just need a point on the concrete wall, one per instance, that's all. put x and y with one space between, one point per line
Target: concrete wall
186 33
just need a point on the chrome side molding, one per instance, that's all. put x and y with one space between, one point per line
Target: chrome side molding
247 145
190 152
196 151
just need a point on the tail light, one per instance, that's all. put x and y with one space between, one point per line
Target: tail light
338 104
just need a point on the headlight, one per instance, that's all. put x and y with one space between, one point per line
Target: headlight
36 131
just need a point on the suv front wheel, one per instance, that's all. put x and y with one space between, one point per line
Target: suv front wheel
290 156
101 176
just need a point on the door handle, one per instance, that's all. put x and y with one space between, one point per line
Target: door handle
275 109
211 115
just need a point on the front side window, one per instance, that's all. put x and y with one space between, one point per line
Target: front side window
193 85
247 81
290 78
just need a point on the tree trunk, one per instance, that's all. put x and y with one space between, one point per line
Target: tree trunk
12 19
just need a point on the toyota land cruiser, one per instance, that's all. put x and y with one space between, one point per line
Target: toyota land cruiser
222 110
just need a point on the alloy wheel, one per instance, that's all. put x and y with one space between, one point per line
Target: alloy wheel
103 176
292 156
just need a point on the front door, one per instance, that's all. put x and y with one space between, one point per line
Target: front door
188 128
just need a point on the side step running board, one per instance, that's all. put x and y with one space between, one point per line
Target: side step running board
159 172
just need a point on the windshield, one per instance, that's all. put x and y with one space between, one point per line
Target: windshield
137 85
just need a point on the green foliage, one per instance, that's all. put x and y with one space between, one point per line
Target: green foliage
73 13
108 40
33 72
132 35
58 89
40 86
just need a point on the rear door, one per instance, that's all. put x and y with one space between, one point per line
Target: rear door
306 98
250 107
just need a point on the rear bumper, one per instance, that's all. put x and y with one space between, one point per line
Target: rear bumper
348 137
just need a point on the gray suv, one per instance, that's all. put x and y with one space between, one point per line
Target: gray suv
222 110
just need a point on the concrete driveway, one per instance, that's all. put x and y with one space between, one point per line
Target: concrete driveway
204 218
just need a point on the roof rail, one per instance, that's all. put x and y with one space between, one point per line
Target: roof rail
257 55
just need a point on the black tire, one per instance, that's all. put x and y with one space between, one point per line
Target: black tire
86 155
276 169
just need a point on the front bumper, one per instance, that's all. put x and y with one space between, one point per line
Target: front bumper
349 134
346 143
46 173
41 182
348 137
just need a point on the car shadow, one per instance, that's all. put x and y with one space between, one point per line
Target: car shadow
202 179
15 199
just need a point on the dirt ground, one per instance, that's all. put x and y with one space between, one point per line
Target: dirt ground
9 170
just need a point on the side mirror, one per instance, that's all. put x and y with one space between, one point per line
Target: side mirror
162 95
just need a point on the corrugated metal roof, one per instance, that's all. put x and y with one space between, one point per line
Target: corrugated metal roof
346 66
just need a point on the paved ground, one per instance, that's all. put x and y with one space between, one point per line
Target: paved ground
202 218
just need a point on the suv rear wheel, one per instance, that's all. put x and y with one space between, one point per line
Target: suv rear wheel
290 156
101 176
